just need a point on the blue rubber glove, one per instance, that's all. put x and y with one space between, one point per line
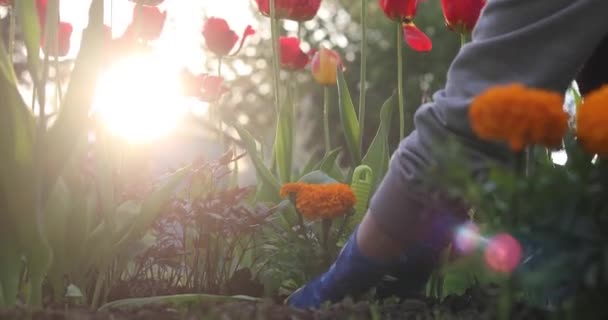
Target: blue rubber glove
351 274
408 276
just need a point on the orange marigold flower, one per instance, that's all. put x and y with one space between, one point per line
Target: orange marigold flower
519 115
321 201
592 122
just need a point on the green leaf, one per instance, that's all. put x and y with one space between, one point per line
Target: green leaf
317 177
311 165
350 122
377 155
30 28
58 209
152 206
329 161
261 169
179 301
73 116
283 143
16 124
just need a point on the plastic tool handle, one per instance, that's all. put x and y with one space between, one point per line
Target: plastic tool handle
361 185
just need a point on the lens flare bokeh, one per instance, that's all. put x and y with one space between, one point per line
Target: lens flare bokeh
503 253
467 238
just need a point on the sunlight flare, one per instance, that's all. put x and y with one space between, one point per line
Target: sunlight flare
139 99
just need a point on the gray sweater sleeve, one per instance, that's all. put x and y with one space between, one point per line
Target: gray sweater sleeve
540 43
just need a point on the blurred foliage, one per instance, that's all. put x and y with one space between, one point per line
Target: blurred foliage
558 213
206 241
337 26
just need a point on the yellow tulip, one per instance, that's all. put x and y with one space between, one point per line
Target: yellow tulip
324 66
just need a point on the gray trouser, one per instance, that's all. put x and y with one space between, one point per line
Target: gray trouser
540 43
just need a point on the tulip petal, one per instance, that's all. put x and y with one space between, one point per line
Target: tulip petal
248 32
416 39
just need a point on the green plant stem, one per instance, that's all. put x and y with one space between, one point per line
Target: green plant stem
10 260
343 227
326 118
505 301
326 227
363 75
12 24
97 291
275 33
35 296
463 39
276 68
400 81
220 125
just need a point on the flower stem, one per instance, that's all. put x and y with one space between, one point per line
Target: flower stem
326 118
275 33
326 227
363 76
219 66
463 39
12 23
220 125
400 81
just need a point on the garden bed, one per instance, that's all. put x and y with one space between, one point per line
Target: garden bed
475 303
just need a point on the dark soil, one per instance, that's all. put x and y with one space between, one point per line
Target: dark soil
476 303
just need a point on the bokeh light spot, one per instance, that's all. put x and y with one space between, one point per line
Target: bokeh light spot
503 253
467 237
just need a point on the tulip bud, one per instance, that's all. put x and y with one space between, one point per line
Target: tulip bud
148 22
220 39
301 10
151 3
64 33
292 57
462 15
324 66
399 10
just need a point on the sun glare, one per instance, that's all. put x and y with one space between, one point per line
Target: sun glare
139 99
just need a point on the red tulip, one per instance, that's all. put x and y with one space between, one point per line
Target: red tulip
297 10
404 11
127 44
64 32
415 38
461 15
292 57
399 10
148 22
151 3
6 3
205 87
41 7
220 39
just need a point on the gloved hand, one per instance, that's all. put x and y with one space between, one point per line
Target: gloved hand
351 274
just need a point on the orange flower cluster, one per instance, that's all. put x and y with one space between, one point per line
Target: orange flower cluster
320 201
592 122
519 115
